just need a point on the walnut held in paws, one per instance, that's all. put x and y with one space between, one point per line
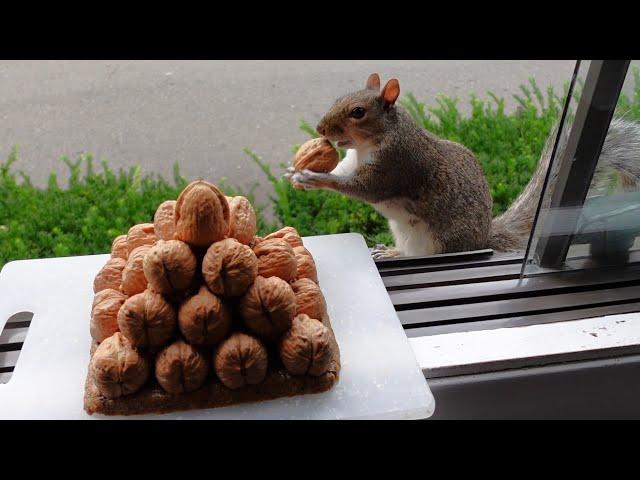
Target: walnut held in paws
288 234
119 248
309 298
181 368
116 367
141 234
229 268
104 313
242 219
170 266
305 265
306 348
203 319
201 214
164 220
109 276
317 155
133 278
276 259
147 319
241 360
268 307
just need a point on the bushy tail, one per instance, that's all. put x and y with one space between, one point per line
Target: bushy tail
620 157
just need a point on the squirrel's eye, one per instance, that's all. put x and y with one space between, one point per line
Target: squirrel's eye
357 112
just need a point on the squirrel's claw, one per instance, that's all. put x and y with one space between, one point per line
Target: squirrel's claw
382 251
288 173
306 179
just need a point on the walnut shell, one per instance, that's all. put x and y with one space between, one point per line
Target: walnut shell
229 268
164 220
276 259
119 248
181 368
241 360
317 155
201 214
309 298
141 234
147 319
256 240
109 276
170 266
288 234
268 307
104 313
133 278
242 219
117 368
306 348
203 319
305 264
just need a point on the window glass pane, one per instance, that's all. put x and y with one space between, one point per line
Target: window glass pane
604 230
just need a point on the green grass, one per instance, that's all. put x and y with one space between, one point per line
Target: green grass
99 204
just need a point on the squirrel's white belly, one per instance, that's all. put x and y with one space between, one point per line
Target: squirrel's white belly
411 234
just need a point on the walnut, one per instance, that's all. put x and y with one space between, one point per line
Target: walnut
309 298
141 234
119 247
306 348
268 307
133 278
276 259
256 240
109 276
203 319
117 368
163 220
242 219
229 268
305 265
147 319
241 360
170 266
288 234
104 313
317 155
181 368
201 214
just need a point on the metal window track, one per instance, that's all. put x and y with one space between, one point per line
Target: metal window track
480 290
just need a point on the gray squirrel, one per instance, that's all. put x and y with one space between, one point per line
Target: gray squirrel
433 191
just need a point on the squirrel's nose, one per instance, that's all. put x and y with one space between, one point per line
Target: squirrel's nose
321 129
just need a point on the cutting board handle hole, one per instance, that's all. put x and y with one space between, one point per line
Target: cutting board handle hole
12 339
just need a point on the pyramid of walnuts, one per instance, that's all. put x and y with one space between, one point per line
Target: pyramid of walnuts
196 300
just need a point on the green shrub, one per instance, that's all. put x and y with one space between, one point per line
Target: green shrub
83 218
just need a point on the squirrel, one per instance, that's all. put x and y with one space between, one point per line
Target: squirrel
433 191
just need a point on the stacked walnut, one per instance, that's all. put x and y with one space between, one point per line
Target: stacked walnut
197 297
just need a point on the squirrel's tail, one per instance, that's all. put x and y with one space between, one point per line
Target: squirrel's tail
620 156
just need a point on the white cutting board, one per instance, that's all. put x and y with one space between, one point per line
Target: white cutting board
380 377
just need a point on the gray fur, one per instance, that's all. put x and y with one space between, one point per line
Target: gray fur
620 155
440 183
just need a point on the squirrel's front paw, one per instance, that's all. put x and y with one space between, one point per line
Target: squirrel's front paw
288 173
308 180
382 251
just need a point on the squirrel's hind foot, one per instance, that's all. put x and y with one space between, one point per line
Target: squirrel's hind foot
381 251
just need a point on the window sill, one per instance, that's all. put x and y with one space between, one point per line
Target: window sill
463 353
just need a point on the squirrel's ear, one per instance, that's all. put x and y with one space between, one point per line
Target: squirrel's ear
391 91
373 82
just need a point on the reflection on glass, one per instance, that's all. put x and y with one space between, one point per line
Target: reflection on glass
603 228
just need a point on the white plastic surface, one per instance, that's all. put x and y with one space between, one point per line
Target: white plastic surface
380 377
